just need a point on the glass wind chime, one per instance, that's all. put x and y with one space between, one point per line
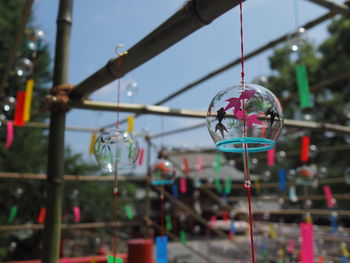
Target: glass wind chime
115 150
245 118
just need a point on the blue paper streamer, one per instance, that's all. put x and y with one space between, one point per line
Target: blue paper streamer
162 249
334 224
232 227
344 259
224 198
175 190
282 179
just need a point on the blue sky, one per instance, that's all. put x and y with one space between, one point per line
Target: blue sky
98 26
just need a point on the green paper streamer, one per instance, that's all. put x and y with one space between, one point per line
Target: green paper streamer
183 237
129 212
168 224
111 259
303 87
228 183
218 185
217 163
12 214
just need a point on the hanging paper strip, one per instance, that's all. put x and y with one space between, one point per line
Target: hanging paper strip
162 249
197 207
131 124
217 163
233 229
329 196
12 215
168 224
218 185
92 143
291 246
344 249
9 135
19 110
224 198
271 157
344 259
41 216
212 221
183 185
197 183
303 87
175 190
76 211
199 165
129 212
305 149
228 183
93 260
112 259
225 215
307 242
308 218
186 166
257 185
272 232
282 179
28 99
320 259
183 237
334 225
140 161
292 194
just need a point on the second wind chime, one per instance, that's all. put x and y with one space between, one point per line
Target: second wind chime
245 118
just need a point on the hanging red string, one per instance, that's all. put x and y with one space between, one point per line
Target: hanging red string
247 184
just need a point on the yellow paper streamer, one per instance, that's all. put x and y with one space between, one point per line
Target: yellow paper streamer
131 124
257 185
344 250
308 218
272 232
28 99
92 143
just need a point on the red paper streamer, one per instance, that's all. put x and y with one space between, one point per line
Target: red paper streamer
271 157
41 216
183 185
9 135
19 111
212 221
186 166
307 242
142 152
225 215
305 149
329 196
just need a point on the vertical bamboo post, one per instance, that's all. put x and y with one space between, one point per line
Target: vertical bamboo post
52 229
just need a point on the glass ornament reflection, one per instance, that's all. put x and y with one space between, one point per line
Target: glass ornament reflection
23 67
36 40
163 172
116 149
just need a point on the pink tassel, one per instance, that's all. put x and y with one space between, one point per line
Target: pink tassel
76 211
183 185
142 152
291 246
307 243
271 157
199 165
329 196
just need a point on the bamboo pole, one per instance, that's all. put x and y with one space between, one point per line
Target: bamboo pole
15 45
333 6
192 16
55 180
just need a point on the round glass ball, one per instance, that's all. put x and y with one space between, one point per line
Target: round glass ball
116 149
23 67
297 40
36 40
163 172
245 115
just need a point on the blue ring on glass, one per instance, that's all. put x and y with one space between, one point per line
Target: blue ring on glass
266 144
162 182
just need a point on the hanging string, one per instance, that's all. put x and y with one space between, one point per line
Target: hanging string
115 183
247 183
296 14
162 212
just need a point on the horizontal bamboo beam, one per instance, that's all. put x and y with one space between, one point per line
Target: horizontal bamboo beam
276 197
191 17
161 110
72 226
318 212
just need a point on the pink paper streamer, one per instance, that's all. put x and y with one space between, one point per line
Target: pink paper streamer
271 157
9 137
212 221
183 185
307 243
76 211
199 165
291 246
329 196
